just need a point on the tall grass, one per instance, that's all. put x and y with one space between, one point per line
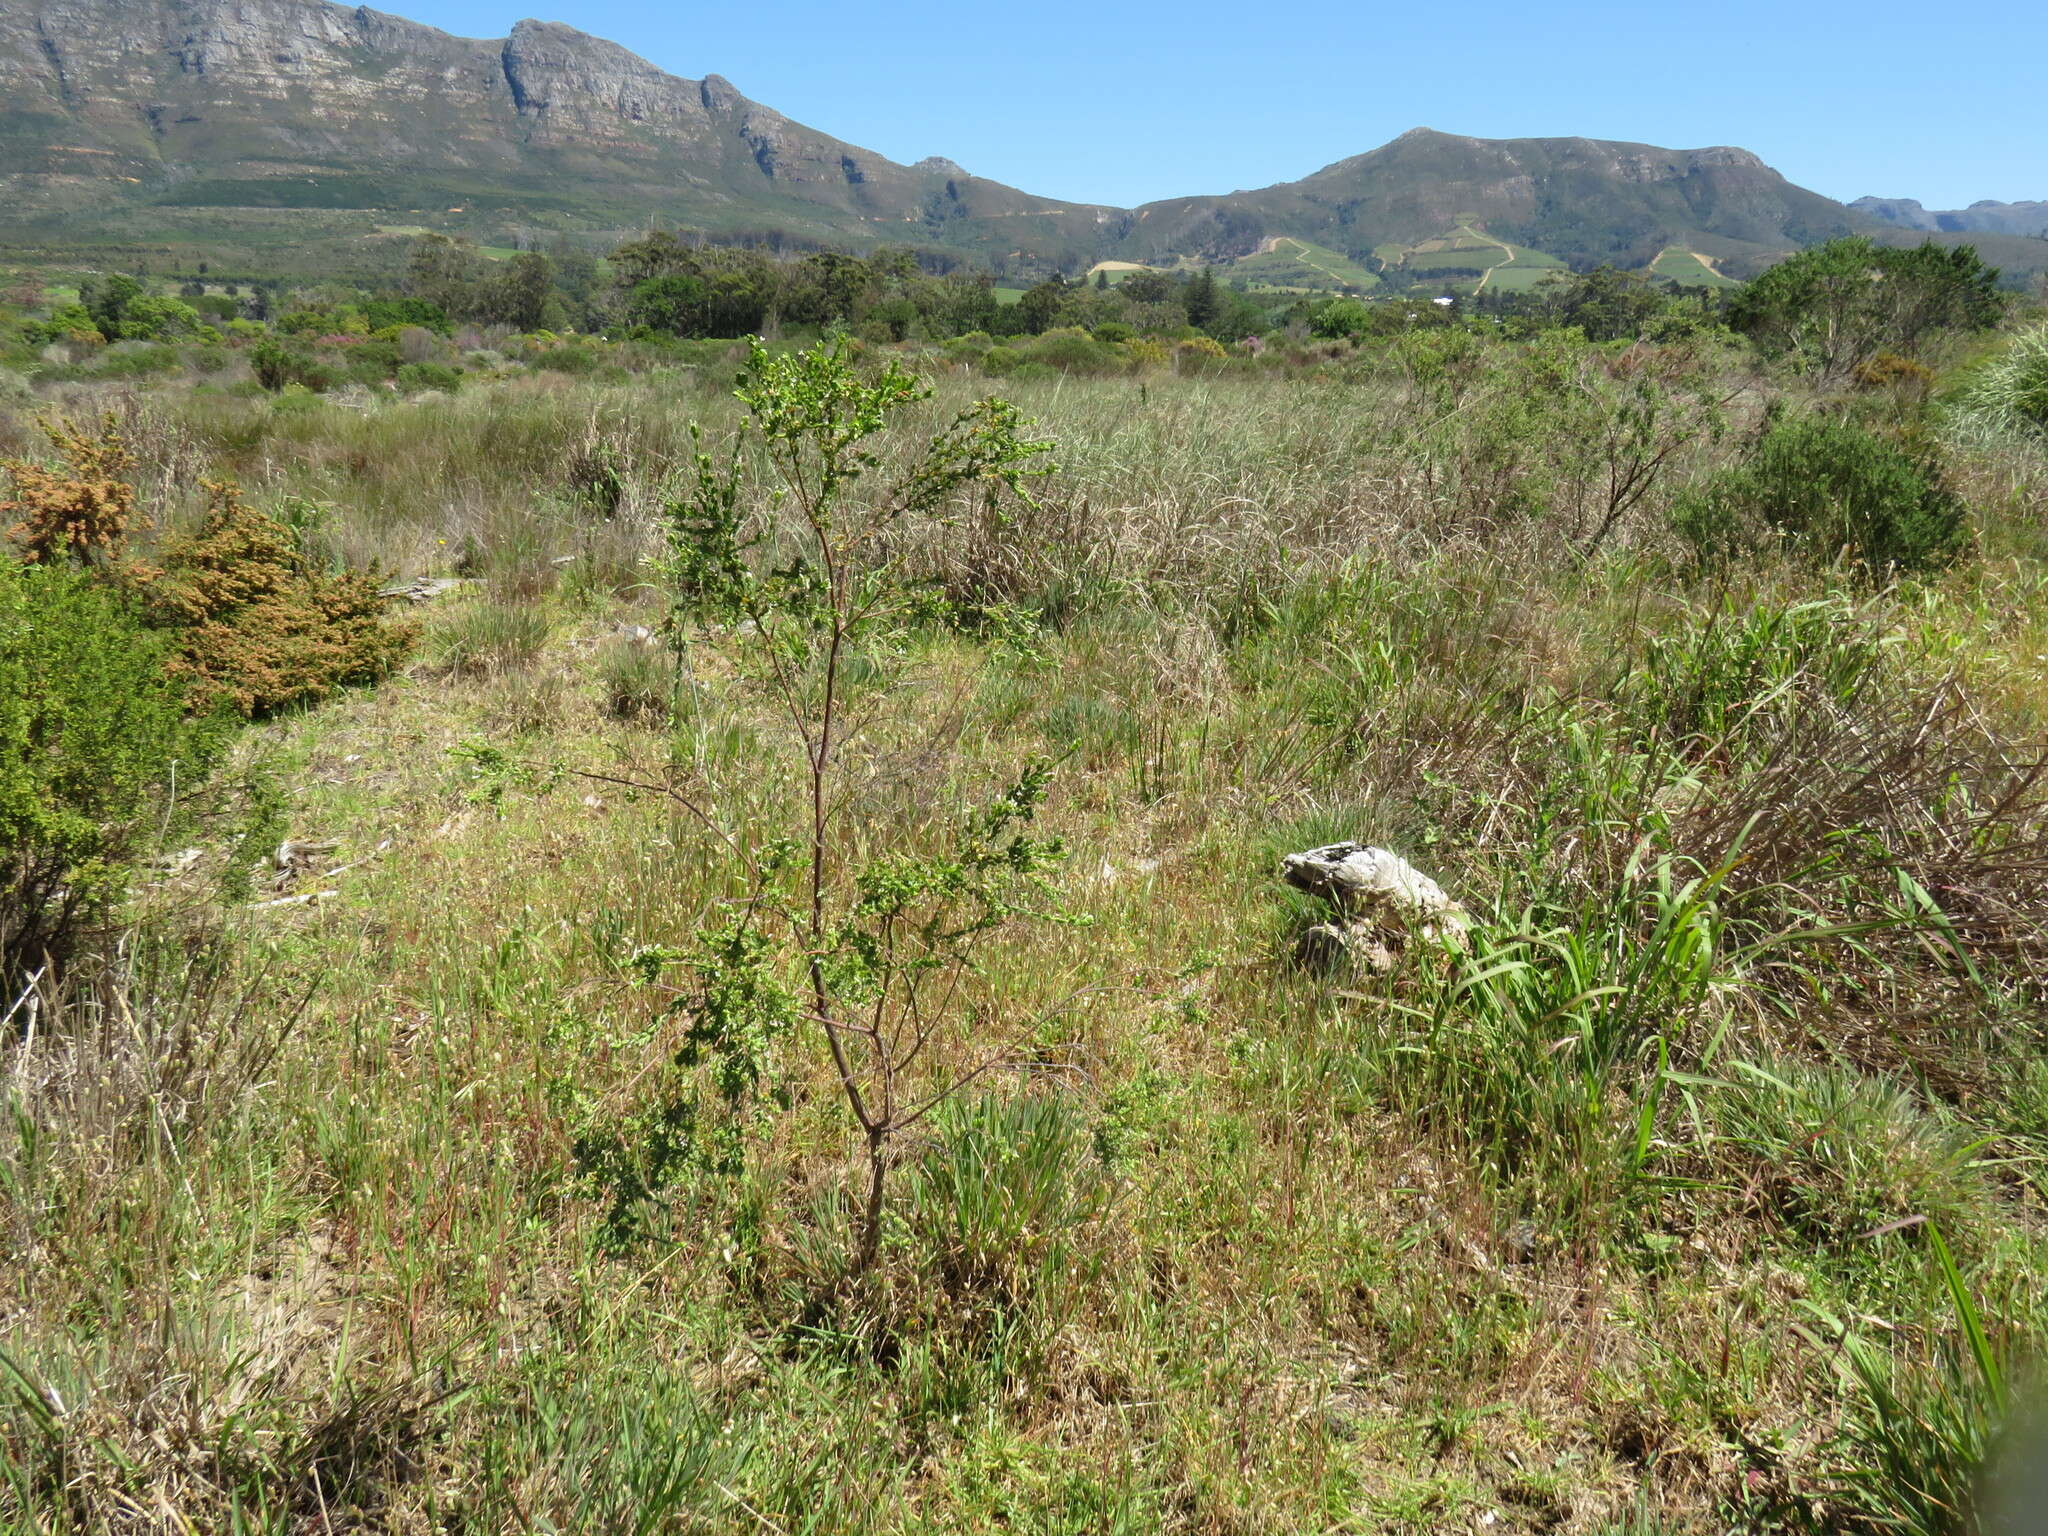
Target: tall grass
1527 1236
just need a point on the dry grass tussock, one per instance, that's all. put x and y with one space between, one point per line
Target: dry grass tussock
407 1207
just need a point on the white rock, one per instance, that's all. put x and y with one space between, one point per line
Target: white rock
1381 900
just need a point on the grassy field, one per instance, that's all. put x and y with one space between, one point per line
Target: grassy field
379 1194
1297 265
1466 259
1688 270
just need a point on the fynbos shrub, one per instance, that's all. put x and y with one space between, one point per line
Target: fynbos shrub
257 628
81 510
1830 490
91 727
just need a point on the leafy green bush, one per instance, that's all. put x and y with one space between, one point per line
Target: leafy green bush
126 360
1828 489
1834 307
92 729
567 358
416 377
380 314
975 344
1339 318
279 363
1072 350
151 318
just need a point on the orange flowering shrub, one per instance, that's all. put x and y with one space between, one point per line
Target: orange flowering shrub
257 628
84 508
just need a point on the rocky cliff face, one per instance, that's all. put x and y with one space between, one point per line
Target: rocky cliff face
136 121
301 103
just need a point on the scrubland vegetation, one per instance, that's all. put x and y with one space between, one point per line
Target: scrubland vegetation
756 995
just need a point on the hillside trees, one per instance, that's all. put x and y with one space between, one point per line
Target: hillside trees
455 278
106 300
1607 304
1835 307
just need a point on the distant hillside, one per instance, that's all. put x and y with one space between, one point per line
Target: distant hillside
1987 217
1584 201
302 135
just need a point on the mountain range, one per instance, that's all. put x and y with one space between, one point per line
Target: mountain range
1986 217
332 134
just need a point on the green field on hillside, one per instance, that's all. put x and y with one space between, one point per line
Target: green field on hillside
1463 260
1300 265
1688 270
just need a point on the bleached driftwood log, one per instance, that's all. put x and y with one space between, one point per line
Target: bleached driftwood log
1381 902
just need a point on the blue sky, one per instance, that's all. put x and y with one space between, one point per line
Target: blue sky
1123 104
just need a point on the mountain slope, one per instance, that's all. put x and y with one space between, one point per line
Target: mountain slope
1584 200
1986 217
303 135
108 107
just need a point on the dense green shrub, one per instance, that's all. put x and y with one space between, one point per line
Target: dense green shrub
1828 489
151 318
567 358
127 360
92 730
975 344
380 314
1071 350
416 377
279 363
1835 307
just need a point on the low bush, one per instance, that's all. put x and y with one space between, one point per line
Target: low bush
1072 351
92 728
257 628
278 363
568 358
416 377
82 509
1829 490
